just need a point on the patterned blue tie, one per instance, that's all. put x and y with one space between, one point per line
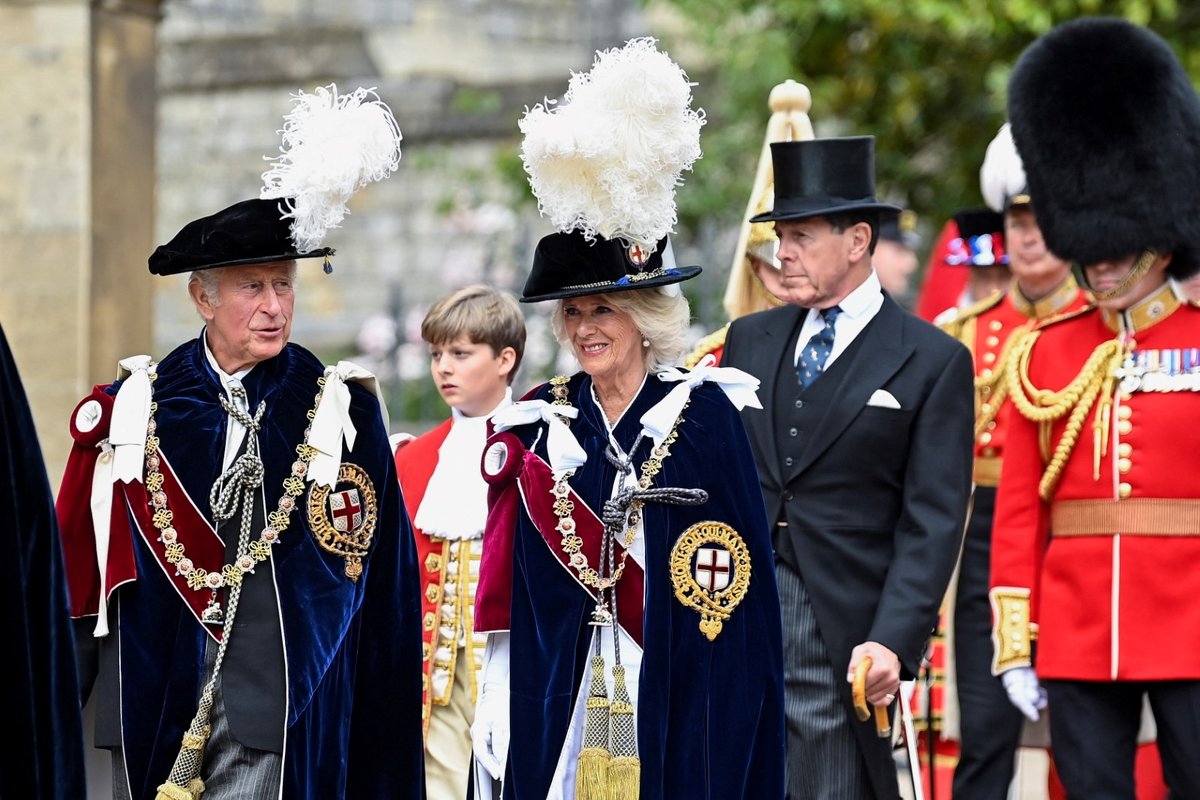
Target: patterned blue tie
816 352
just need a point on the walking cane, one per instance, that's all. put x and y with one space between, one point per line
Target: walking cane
883 726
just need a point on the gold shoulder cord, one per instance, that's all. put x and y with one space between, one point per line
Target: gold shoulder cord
992 390
1097 379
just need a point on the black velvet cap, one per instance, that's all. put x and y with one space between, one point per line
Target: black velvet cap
568 265
249 232
816 177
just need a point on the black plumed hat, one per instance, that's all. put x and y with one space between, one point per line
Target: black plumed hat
1107 124
249 232
569 265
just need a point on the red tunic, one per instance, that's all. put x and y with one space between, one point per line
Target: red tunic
1113 592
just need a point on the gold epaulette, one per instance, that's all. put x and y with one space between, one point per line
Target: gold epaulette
706 345
1095 383
1012 631
953 323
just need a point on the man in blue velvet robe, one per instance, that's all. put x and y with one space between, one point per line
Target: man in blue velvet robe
238 553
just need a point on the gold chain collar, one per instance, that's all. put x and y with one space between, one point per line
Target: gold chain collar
231 574
564 507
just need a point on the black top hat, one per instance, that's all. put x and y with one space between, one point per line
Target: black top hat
1107 123
568 265
817 177
249 232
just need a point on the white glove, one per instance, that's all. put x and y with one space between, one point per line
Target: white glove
490 730
1024 692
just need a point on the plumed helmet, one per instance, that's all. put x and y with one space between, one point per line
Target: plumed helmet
1002 175
1107 123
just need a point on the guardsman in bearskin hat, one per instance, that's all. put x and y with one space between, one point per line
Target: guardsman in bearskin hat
755 269
1097 526
1041 286
236 544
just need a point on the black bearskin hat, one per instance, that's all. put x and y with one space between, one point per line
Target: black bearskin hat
1107 124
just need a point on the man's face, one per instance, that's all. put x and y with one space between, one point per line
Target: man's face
1030 261
894 263
251 318
983 282
1107 275
816 266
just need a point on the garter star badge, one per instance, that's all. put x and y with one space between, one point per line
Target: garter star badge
710 569
343 517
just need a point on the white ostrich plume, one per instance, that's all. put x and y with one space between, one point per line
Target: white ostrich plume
333 145
608 159
1002 175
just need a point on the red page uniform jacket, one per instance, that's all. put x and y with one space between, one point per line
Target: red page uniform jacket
449 577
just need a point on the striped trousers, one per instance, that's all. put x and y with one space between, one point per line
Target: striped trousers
824 761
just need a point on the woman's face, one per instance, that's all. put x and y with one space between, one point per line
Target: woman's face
604 338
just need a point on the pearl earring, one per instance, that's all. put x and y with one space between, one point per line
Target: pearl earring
645 342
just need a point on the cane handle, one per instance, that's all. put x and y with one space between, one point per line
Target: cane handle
883 725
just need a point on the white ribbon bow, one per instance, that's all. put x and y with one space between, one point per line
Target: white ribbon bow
332 424
130 415
739 386
561 445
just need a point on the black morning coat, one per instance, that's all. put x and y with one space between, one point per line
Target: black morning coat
874 498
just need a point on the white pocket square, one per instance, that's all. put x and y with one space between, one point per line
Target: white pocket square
883 399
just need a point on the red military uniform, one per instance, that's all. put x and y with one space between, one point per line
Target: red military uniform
449 574
712 343
986 329
1098 526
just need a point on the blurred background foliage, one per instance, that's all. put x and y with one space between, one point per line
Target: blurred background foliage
927 78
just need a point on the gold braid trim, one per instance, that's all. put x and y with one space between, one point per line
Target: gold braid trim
706 345
1012 631
1096 379
991 391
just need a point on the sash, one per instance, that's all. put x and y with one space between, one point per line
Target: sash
201 543
536 482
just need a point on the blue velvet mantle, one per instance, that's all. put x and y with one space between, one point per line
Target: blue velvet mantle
710 718
351 649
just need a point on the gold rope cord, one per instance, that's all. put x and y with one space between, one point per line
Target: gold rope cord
1096 379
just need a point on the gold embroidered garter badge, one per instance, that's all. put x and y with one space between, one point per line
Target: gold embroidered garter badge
343 518
710 568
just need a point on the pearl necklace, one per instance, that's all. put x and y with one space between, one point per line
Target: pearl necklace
230 574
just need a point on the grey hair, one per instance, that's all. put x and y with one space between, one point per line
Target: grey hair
661 317
208 280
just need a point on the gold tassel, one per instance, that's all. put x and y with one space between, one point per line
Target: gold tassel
169 791
625 769
591 774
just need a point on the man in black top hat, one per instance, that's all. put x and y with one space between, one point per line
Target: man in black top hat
863 447
237 552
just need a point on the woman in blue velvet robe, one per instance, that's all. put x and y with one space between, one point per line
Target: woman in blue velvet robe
708 706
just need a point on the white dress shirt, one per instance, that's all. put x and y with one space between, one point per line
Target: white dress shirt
858 308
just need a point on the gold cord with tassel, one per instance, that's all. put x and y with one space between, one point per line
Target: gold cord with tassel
1095 380
625 768
591 776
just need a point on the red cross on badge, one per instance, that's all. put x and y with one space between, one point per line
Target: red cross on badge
712 568
346 510
638 254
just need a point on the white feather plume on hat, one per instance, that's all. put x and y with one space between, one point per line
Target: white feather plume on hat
1002 174
607 160
333 145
